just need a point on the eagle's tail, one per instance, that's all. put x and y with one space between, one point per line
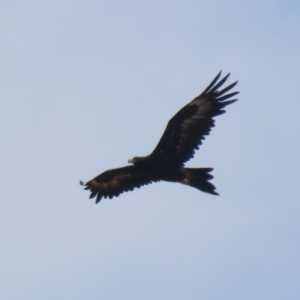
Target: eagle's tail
199 179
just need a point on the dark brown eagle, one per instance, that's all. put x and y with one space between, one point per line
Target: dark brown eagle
183 135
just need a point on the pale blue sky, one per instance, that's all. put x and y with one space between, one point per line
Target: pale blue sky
85 85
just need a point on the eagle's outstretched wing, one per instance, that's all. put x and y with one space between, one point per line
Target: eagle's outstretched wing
113 182
186 130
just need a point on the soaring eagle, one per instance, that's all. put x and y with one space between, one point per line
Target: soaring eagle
183 135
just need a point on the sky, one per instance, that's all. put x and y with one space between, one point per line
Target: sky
85 85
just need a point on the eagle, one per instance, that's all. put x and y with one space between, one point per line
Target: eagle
183 135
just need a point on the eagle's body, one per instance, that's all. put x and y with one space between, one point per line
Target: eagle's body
183 135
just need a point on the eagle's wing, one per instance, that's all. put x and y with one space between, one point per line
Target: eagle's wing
186 130
113 182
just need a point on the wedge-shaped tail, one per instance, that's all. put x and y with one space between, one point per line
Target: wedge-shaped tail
199 179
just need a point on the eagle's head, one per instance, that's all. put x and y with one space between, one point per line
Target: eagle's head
136 160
